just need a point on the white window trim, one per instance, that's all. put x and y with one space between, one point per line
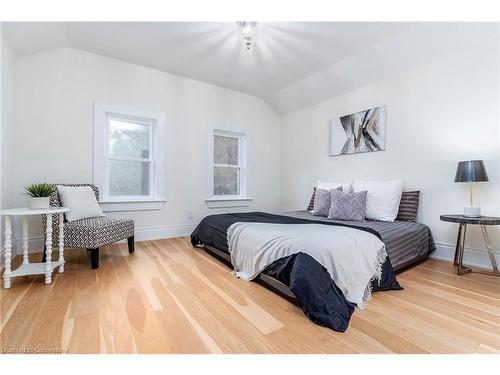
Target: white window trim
156 200
218 201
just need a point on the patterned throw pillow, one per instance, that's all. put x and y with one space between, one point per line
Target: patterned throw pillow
408 206
347 206
322 202
311 202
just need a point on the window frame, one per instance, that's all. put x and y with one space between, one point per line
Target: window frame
226 200
103 114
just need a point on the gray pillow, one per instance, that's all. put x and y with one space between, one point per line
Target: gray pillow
347 206
408 206
322 202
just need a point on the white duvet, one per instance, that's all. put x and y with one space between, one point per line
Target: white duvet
352 257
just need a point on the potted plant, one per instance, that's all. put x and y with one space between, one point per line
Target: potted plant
40 195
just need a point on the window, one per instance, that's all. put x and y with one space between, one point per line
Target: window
128 158
227 164
227 178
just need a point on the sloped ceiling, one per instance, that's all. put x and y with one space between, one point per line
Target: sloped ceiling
292 65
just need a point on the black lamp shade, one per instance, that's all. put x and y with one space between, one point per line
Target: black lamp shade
471 171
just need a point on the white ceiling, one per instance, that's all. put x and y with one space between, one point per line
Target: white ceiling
286 59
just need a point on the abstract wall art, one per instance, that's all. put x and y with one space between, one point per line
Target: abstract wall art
358 132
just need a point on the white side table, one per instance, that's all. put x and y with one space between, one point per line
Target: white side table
28 268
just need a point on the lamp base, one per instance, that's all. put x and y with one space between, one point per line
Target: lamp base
472 211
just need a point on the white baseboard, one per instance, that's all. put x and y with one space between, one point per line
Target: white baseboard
472 256
169 231
141 234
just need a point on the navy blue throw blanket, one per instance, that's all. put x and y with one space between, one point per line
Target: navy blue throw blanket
318 296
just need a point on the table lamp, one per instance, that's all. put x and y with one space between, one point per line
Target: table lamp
471 171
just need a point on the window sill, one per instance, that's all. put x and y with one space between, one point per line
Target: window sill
219 202
150 205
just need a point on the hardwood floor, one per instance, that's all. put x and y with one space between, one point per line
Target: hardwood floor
171 298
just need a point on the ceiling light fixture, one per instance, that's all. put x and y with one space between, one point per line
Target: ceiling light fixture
247 33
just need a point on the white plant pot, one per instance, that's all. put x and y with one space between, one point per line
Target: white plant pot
39 203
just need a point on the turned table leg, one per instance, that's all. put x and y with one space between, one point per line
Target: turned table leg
25 240
61 242
7 252
48 251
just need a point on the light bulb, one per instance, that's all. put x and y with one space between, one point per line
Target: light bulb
247 33
247 30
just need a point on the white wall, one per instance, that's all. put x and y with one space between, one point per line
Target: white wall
437 114
55 91
6 133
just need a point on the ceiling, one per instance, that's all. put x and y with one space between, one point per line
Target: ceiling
284 55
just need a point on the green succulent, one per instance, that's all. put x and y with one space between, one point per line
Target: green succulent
40 190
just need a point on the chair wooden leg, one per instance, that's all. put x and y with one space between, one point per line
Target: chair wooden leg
94 258
130 241
44 255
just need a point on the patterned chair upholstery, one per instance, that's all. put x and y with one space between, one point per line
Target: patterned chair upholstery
91 233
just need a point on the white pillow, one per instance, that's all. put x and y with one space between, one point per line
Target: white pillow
346 186
382 200
81 202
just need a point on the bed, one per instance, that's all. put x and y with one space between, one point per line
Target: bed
302 278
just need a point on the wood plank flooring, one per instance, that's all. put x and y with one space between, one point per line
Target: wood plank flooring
171 298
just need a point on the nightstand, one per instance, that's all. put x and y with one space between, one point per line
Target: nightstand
463 221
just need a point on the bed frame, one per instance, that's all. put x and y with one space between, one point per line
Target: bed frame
267 281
